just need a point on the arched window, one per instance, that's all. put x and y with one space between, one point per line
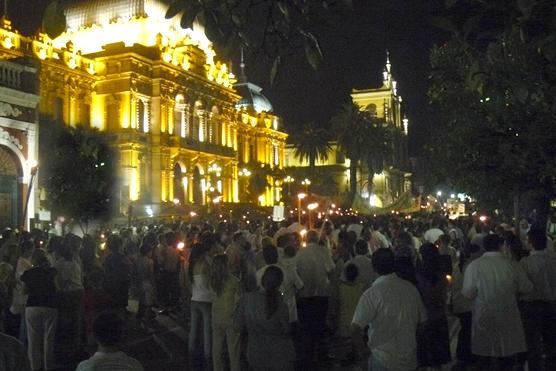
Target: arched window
371 108
181 120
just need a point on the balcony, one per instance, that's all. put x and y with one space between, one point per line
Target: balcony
195 145
18 76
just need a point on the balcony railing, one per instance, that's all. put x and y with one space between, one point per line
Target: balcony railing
195 145
17 76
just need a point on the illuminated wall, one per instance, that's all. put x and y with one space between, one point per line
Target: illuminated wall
157 90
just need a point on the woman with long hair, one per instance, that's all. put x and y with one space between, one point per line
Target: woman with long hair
226 293
461 306
264 316
69 280
433 347
41 313
201 300
144 280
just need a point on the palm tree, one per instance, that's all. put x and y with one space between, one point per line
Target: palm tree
311 143
378 137
349 127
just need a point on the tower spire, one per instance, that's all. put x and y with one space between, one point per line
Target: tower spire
386 74
243 76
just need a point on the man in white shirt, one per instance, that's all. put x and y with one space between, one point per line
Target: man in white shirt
379 239
364 264
434 232
314 265
492 282
539 306
107 330
392 308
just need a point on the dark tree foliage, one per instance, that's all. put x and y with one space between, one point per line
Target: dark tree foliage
276 28
80 175
311 143
493 89
364 139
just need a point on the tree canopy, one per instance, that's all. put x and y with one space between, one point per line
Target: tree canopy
80 176
365 139
311 143
493 91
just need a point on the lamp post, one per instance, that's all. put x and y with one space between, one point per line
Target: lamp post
289 180
310 208
245 174
34 168
300 197
306 182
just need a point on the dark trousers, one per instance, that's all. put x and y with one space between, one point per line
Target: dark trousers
539 324
70 320
496 364
463 352
169 288
312 313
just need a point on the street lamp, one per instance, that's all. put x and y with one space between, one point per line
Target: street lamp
311 207
289 180
33 166
300 197
306 182
439 193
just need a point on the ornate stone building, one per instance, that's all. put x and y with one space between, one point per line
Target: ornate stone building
390 184
385 102
165 100
18 135
261 145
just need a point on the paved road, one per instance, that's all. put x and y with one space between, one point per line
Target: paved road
163 347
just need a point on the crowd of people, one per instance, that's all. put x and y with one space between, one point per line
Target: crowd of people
279 296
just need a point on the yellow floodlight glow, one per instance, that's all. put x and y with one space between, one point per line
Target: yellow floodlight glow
8 42
301 196
312 206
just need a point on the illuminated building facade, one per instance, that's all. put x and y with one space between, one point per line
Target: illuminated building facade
385 103
166 102
261 145
18 135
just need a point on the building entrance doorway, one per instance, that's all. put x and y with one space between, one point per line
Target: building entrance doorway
10 193
197 189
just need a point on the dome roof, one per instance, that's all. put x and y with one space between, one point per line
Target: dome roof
252 97
84 13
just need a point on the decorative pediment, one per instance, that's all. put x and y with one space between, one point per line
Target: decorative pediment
7 109
6 136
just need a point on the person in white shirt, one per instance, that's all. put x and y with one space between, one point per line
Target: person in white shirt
492 282
291 282
107 330
434 232
392 308
539 306
364 264
379 239
314 265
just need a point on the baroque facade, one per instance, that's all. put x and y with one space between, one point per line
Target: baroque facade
385 103
18 137
166 102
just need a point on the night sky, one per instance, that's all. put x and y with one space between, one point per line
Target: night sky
354 47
